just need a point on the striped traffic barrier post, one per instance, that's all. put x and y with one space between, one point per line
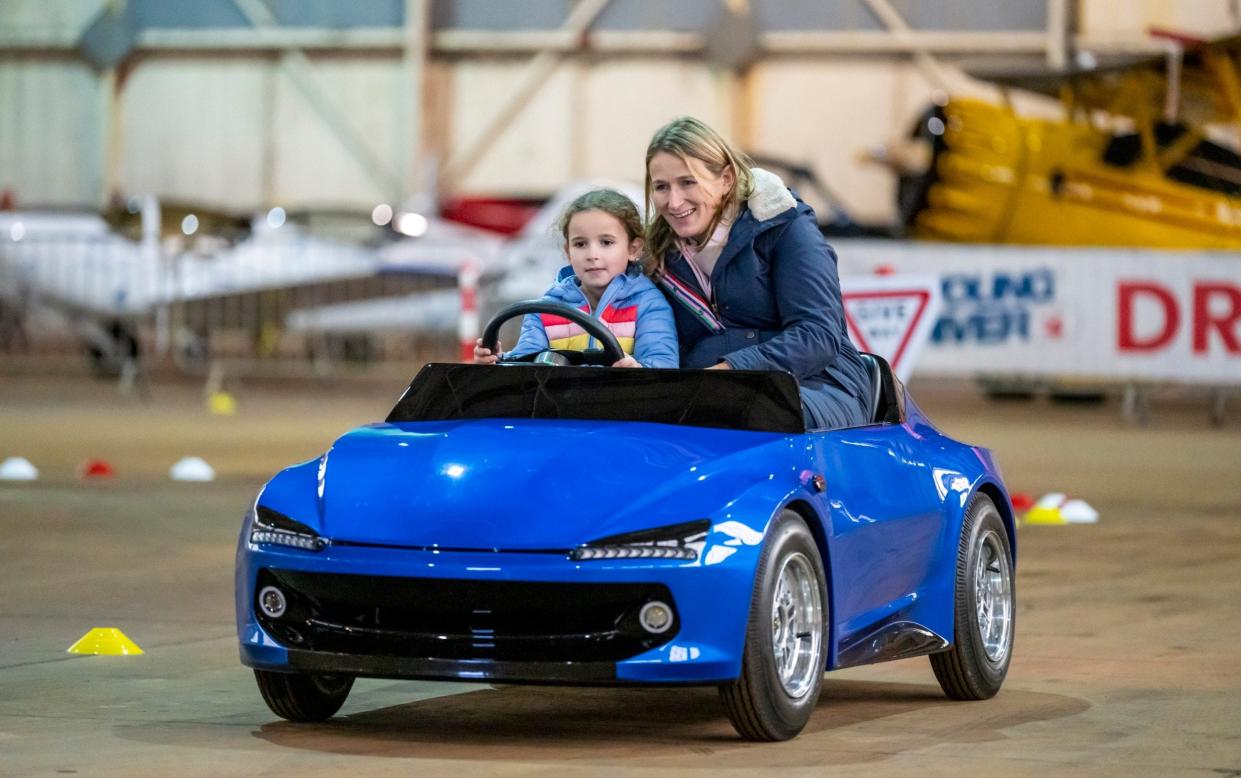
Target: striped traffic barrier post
467 324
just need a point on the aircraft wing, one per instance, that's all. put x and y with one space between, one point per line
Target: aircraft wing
1208 74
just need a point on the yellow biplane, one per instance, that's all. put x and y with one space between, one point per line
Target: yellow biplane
1140 157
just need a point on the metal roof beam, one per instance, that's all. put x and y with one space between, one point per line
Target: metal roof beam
297 67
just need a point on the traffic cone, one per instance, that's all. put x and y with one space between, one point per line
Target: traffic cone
105 641
1022 502
1079 512
221 404
18 469
1046 510
97 468
192 469
1057 508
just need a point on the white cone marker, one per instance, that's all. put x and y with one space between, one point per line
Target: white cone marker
18 469
192 469
1078 512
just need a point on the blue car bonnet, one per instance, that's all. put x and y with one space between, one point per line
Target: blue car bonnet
530 484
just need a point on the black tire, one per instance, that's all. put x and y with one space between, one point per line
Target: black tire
303 696
967 671
1008 389
758 704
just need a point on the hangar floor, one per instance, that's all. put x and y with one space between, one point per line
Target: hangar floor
1126 661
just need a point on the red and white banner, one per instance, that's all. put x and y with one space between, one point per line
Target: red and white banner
1116 314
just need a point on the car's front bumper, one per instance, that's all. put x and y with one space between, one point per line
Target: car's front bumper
711 598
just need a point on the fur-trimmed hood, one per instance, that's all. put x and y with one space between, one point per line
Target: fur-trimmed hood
770 197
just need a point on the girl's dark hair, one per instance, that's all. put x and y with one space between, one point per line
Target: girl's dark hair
610 202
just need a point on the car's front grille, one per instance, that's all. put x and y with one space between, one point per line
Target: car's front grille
462 619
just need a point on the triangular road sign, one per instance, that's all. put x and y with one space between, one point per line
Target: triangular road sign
891 316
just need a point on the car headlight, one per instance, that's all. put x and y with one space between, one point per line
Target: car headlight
277 529
676 541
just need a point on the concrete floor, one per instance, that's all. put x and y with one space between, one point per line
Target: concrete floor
1126 659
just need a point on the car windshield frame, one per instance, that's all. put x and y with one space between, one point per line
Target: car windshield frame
747 400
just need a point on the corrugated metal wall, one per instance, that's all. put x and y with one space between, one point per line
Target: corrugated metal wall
232 130
236 133
193 130
310 165
51 139
48 17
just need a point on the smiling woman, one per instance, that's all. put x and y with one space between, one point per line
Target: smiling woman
752 283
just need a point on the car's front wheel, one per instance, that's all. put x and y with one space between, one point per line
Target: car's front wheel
786 638
975 667
303 696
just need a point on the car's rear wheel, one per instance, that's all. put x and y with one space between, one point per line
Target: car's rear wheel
303 696
786 638
975 667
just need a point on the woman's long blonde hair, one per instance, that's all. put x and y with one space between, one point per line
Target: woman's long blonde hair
686 138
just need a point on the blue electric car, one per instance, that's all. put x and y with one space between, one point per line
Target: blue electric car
551 521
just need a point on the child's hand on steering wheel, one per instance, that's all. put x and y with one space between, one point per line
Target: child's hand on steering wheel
628 361
483 356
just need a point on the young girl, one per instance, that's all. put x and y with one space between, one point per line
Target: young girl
603 240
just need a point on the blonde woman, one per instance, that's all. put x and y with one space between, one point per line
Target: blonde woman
753 284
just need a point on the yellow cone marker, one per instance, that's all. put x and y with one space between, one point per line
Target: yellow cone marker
105 641
221 404
1046 510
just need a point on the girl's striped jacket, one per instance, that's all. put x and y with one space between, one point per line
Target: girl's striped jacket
632 307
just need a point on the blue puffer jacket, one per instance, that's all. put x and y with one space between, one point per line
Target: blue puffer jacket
777 293
631 307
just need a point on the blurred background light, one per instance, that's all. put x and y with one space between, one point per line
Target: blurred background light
275 217
412 224
189 225
382 214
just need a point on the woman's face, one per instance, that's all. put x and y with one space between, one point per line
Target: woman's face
686 194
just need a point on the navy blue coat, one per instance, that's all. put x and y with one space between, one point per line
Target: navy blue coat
776 290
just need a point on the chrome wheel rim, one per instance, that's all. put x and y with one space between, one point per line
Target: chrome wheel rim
993 593
797 626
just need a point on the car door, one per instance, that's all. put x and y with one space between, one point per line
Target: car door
884 520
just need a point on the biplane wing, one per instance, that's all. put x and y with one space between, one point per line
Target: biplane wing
1195 81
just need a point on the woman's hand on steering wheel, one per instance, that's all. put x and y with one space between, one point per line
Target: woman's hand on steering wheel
628 361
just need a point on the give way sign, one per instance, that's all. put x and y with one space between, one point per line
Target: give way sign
891 316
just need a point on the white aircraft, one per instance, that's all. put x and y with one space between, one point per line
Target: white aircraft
519 269
73 274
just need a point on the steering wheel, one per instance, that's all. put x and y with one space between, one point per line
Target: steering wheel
609 354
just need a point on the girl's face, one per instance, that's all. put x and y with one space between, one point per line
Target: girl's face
599 250
686 194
